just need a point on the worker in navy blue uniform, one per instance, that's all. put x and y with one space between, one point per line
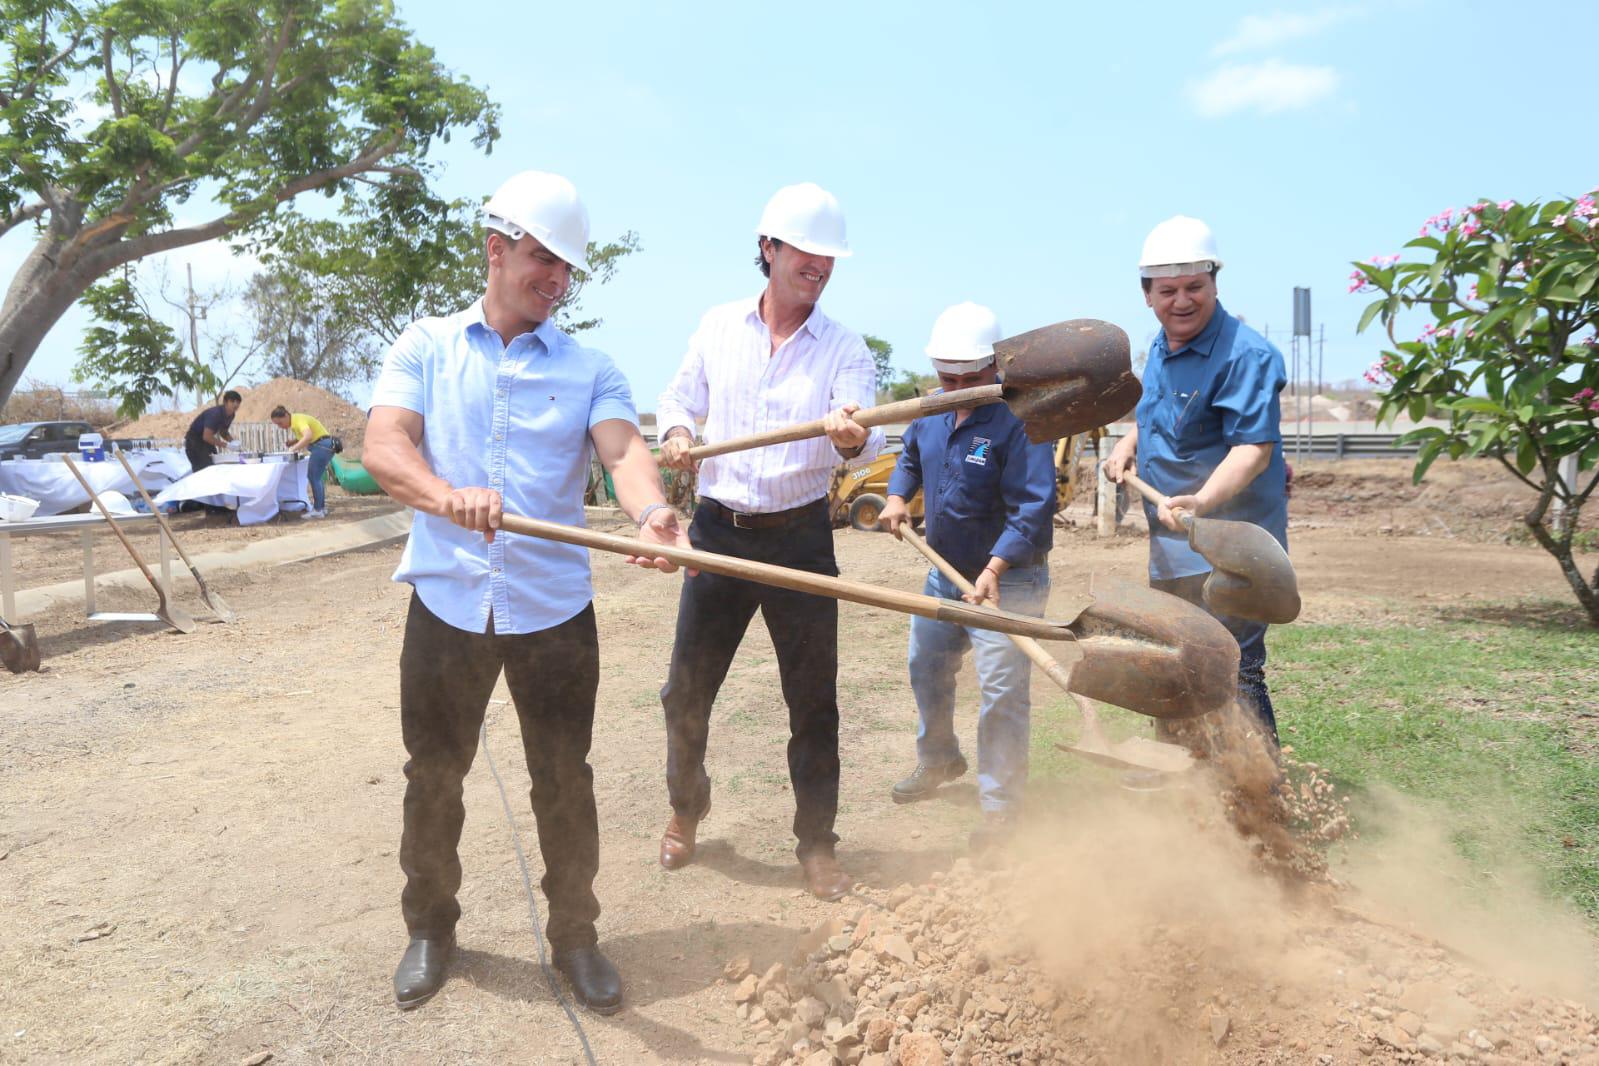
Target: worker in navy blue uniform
990 501
1208 431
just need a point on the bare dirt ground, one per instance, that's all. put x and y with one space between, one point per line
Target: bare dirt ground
198 834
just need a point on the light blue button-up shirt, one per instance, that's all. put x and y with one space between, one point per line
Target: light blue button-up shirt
512 417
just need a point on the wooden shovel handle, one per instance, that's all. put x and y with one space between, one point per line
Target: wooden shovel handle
902 411
160 518
115 527
836 588
1033 650
1154 497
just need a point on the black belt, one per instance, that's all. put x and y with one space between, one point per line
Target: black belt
761 520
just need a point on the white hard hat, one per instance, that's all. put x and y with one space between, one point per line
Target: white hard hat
1180 245
544 206
808 217
963 339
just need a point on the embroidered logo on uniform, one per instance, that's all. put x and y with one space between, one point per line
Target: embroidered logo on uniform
979 451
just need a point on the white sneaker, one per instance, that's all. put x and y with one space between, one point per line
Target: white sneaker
313 514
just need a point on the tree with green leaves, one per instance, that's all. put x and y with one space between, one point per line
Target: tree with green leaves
130 355
377 270
247 106
882 359
1510 356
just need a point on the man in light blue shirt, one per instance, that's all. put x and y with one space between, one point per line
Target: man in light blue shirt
1208 431
491 408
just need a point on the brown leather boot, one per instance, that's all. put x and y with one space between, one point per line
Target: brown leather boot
824 877
677 843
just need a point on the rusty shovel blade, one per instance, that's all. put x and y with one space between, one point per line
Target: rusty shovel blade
1252 576
1153 653
1068 378
19 647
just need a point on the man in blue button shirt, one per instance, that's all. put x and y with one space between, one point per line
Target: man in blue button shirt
491 407
990 501
1208 431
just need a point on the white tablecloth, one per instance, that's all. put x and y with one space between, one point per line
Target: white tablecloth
52 484
256 490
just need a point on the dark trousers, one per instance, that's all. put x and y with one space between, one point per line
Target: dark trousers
446 676
198 452
1251 637
712 616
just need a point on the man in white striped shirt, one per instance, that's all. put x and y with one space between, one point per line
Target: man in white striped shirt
758 364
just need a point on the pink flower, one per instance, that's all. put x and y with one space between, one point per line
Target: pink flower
1558 221
1472 293
1583 396
1594 406
1584 208
1470 332
1428 331
1357 281
1445 333
1423 231
1446 216
1469 227
1506 205
1479 207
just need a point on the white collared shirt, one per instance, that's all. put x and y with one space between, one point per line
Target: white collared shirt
732 379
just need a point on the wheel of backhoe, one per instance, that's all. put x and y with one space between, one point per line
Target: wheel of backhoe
865 510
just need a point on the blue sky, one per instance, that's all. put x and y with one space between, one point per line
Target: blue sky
1012 154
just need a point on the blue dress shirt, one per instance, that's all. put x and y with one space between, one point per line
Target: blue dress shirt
990 491
513 417
1217 391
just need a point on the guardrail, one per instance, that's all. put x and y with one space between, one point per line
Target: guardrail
1348 446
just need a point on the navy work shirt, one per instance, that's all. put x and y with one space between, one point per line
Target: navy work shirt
216 419
990 491
1217 391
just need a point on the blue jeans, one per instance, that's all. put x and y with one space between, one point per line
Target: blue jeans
320 455
1004 715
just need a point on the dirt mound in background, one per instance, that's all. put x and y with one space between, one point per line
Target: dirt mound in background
1469 499
342 418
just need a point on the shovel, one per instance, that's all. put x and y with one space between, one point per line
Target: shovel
19 647
1059 380
1137 753
218 606
1251 576
170 613
837 588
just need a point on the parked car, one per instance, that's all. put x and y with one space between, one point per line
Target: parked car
32 440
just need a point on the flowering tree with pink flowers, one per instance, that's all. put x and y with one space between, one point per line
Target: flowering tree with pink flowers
1508 353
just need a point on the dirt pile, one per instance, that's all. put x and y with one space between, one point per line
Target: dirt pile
1470 499
342 418
1141 928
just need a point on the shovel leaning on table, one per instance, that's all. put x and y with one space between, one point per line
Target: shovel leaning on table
1135 753
1251 576
1059 380
212 600
170 613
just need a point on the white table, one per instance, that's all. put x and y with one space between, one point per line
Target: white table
257 491
85 524
52 484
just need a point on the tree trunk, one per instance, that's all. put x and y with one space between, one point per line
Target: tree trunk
39 295
1587 592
